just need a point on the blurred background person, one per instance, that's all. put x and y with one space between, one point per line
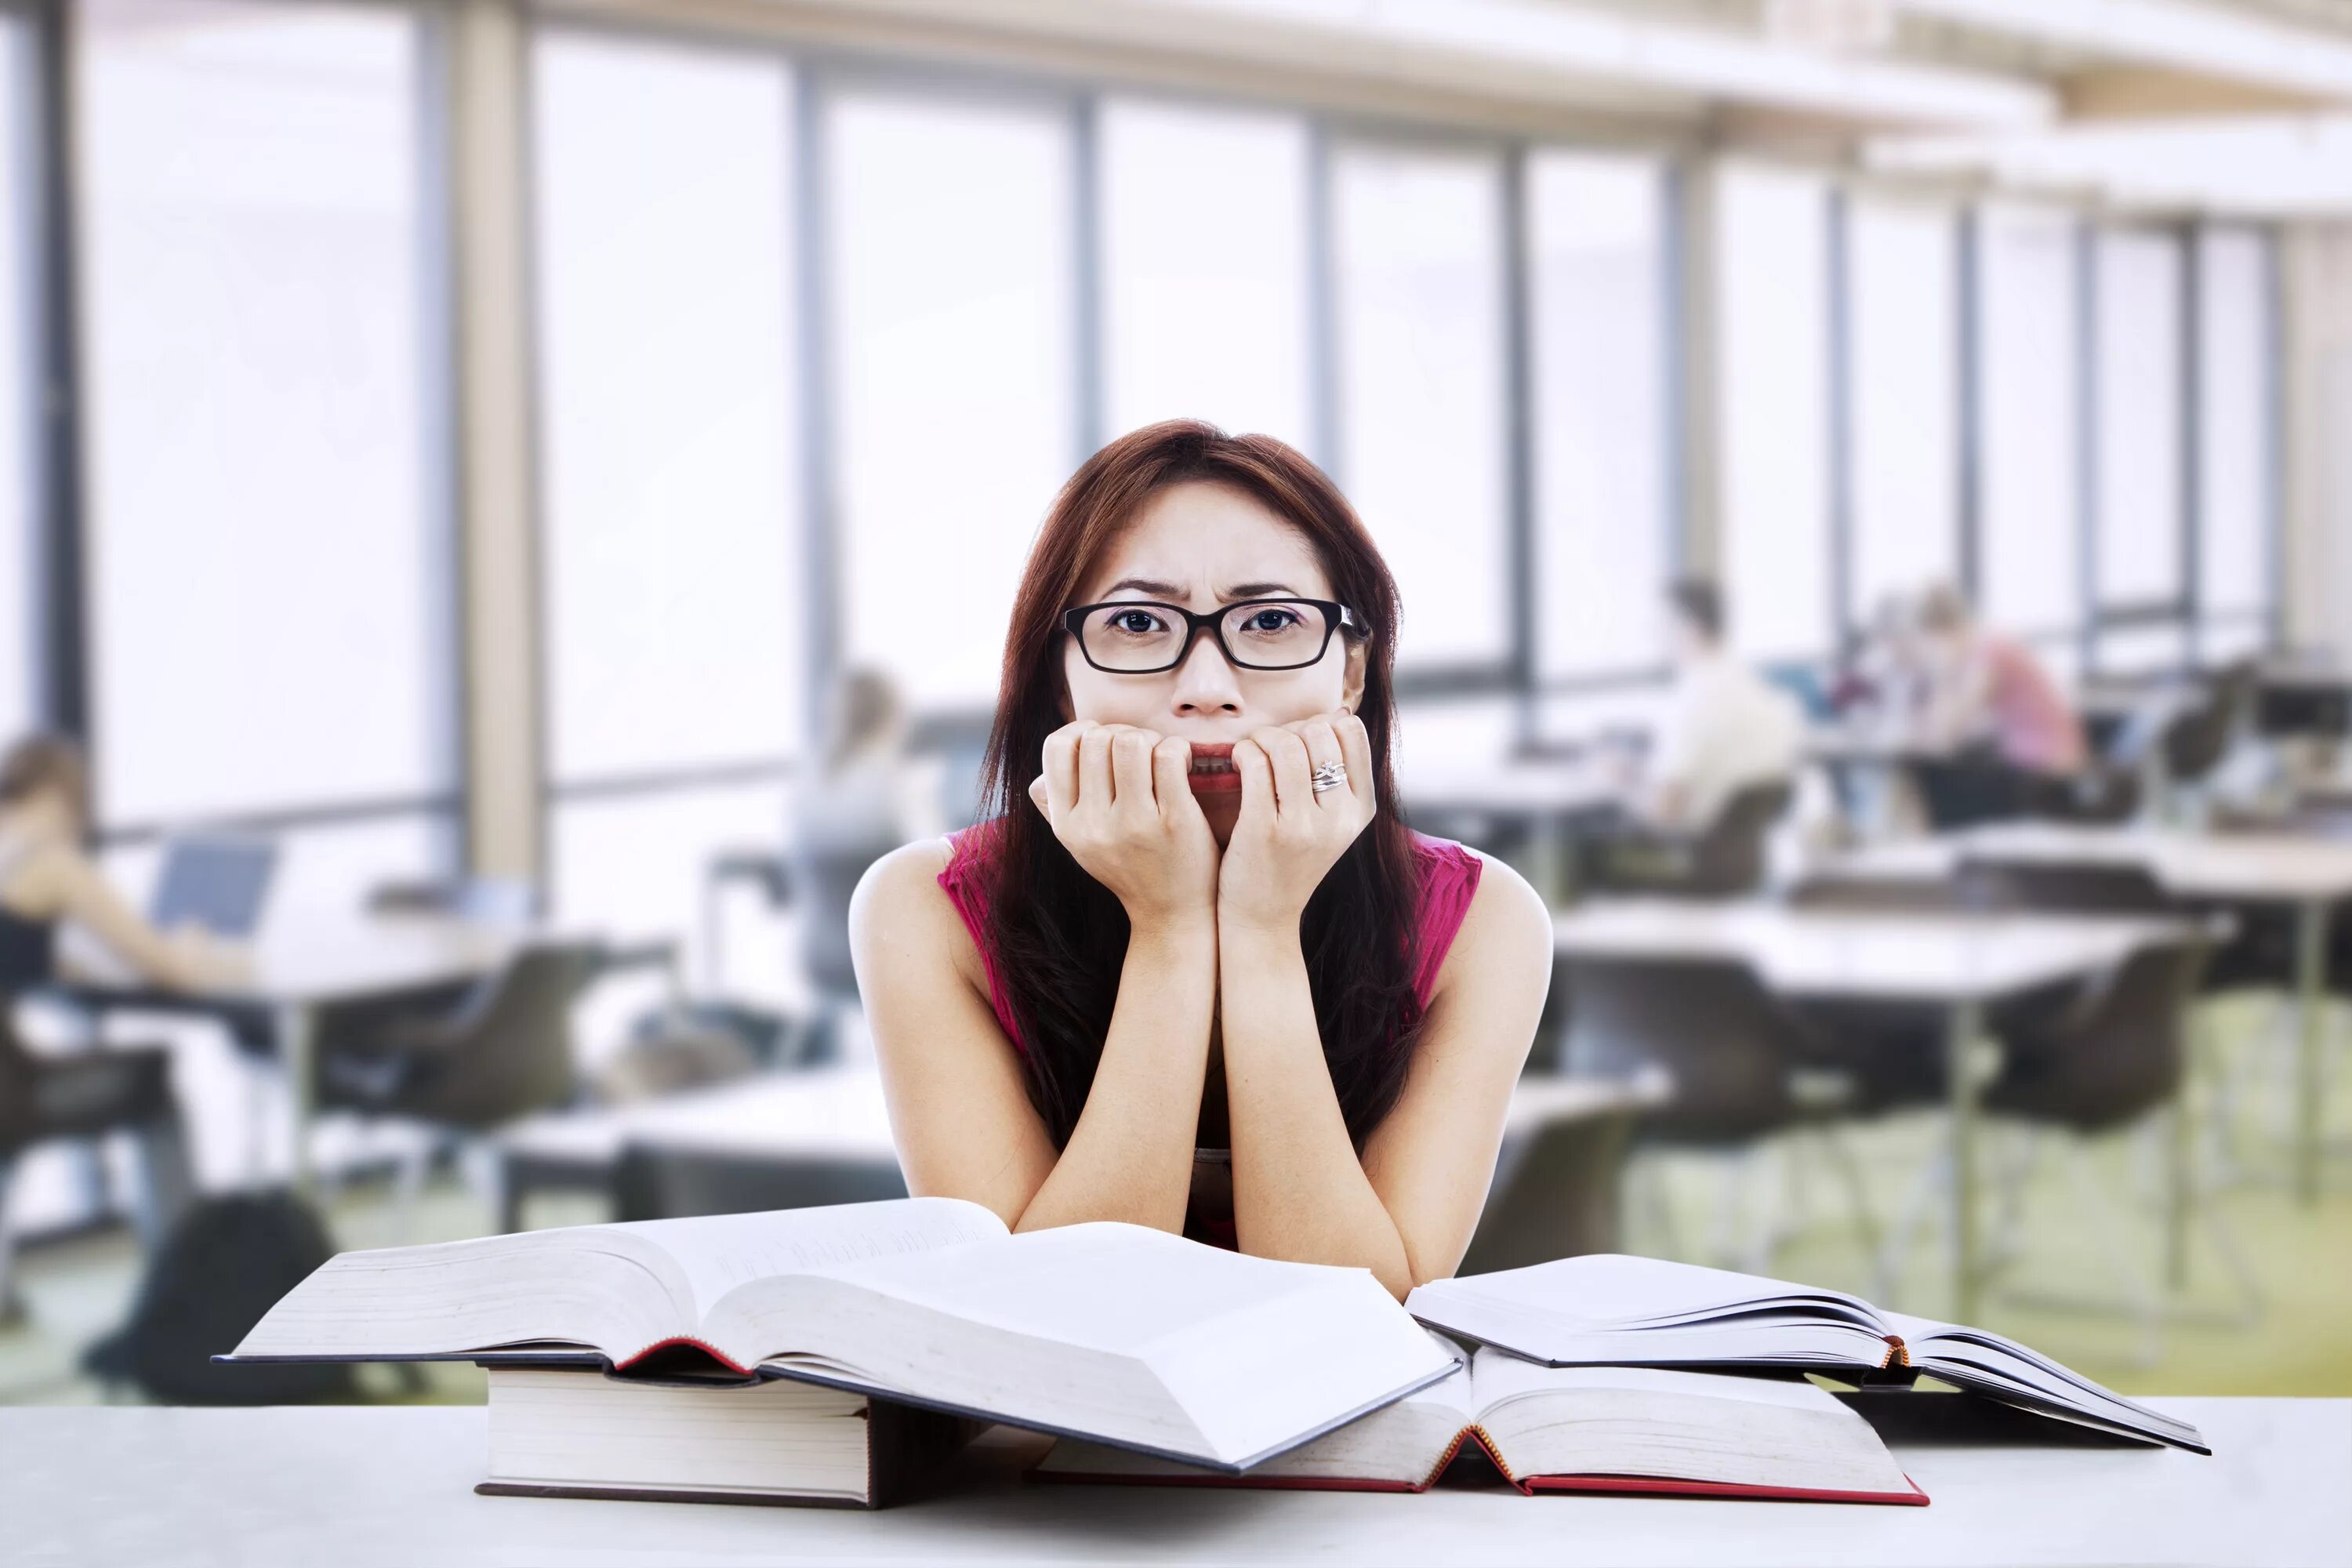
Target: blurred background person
48 879
1724 726
1985 688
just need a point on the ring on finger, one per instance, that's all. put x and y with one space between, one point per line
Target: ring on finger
1327 777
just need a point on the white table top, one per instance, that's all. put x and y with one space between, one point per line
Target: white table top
833 1114
2255 867
1874 954
328 961
1505 788
357 1486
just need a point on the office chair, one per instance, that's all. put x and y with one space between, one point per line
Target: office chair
88 1096
503 1051
1743 1070
1727 858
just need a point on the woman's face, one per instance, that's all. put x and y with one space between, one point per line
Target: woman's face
1203 546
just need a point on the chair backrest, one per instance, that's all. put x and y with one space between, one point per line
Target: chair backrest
822 882
2118 1054
1882 895
1970 788
1709 1022
1729 855
2064 887
507 1049
2197 738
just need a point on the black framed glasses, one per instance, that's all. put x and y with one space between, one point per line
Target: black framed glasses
1143 636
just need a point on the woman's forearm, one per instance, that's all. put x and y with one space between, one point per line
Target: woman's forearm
1130 1155
1299 1190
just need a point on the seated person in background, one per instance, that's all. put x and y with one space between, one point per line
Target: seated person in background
1989 690
1724 726
1194 972
48 876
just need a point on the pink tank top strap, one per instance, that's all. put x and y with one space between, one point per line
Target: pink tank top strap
964 882
1449 881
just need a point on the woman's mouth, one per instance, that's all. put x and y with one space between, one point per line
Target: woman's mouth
1213 769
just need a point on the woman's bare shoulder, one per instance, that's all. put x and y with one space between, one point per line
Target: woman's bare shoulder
1506 933
900 905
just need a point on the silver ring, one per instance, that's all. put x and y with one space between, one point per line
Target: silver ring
1329 777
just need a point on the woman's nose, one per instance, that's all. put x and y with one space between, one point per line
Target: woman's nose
1204 681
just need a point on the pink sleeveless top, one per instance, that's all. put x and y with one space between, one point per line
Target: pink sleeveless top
1449 878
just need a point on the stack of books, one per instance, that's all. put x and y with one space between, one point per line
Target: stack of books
838 1355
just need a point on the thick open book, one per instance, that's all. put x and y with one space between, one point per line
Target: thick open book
1613 1311
1597 1428
1117 1333
577 1432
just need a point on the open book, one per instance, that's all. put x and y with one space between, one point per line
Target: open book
1613 1311
1124 1335
1601 1429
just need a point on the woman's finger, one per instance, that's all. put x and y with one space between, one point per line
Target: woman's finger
1130 769
1095 788
1356 751
1322 744
1251 762
1040 799
1171 770
1061 772
1287 754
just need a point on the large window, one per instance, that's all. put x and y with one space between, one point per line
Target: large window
672 540
950 270
1904 385
1597 279
1205 267
2028 559
2235 504
2136 538
1773 311
267 533
1417 246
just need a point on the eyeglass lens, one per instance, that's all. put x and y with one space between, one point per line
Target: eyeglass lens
1259 634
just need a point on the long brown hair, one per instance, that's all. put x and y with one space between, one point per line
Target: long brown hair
1056 937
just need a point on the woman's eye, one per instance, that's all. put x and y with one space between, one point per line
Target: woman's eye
1270 622
1135 623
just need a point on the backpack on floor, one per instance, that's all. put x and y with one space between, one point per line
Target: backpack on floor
224 1263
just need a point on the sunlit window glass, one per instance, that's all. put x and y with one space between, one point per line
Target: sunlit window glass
2029 558
1902 338
950 259
1773 416
20 612
675 614
2235 504
1203 217
268 534
2136 557
1596 274
1417 241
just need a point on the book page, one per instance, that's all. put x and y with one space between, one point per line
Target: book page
718 1252
1613 1290
1497 1376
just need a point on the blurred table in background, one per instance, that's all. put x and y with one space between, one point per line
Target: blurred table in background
1955 966
2307 873
297 974
1533 806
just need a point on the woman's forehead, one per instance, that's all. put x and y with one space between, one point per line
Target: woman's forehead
1205 541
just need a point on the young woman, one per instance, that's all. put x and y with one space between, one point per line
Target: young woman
1195 972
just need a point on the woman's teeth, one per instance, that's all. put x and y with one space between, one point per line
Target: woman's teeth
1212 764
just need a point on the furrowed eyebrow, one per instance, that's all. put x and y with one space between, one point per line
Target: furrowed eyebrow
1260 591
1144 585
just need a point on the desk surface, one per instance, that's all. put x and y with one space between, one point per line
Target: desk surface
328 961
2256 867
1893 956
355 1485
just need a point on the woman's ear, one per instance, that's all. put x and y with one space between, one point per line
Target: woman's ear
1351 688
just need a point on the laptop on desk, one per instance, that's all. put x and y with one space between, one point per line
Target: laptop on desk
219 881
